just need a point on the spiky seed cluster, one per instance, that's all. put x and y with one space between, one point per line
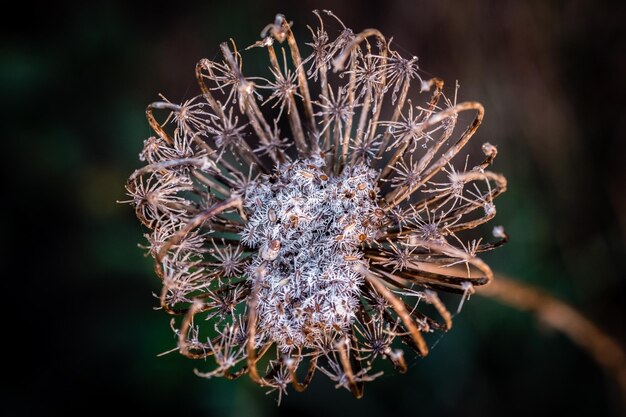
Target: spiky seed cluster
319 237
308 228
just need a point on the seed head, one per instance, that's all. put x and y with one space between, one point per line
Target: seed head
314 237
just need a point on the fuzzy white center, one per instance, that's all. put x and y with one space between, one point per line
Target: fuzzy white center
308 228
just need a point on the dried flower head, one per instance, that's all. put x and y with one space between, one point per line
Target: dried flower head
312 218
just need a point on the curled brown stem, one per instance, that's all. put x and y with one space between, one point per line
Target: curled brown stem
233 201
356 387
400 310
302 386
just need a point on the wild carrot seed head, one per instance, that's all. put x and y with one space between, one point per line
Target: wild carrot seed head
318 237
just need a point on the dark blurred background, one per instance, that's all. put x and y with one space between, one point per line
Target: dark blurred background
81 329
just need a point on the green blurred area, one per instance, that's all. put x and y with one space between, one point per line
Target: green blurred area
75 80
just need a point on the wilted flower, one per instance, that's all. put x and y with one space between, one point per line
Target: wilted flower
310 219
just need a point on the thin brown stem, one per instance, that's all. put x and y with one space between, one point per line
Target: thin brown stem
602 348
184 347
302 386
355 386
348 125
292 108
156 126
400 310
247 102
234 201
401 193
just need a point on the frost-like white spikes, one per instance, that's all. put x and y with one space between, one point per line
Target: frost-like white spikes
308 227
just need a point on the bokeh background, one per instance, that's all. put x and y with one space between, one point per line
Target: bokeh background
80 326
